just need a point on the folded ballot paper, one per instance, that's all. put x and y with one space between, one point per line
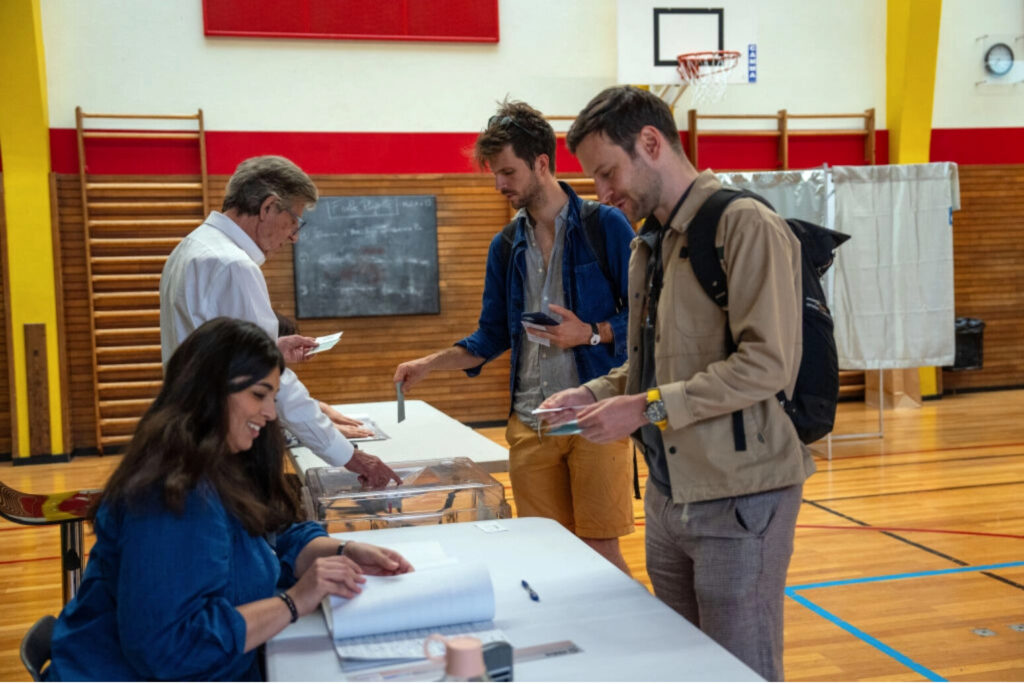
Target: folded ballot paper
392 616
324 343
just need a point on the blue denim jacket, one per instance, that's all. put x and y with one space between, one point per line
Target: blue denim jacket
588 294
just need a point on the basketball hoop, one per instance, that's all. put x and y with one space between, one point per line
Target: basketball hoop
707 73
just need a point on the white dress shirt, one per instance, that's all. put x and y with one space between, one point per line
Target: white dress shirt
215 271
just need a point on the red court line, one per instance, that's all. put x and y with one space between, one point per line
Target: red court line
867 528
29 560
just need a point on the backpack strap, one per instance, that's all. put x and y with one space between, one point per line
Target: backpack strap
590 217
706 262
508 236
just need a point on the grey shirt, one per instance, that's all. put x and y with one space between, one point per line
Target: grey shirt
542 370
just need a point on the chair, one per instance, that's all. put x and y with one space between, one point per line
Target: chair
66 509
35 646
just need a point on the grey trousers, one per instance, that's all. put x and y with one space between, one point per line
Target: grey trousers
722 565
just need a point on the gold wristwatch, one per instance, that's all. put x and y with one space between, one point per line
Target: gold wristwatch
655 409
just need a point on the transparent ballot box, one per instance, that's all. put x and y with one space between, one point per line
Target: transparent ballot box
432 492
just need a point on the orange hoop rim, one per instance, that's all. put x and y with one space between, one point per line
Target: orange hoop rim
690 63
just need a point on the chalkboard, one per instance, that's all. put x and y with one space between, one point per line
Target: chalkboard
368 256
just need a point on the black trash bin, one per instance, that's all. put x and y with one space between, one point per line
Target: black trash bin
969 334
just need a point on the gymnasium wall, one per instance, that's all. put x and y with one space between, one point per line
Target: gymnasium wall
382 116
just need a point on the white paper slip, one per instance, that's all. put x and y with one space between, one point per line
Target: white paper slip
369 424
557 409
324 343
543 341
427 598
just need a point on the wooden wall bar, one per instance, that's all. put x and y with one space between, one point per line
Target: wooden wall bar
360 368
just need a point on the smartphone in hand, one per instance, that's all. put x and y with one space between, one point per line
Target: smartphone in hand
539 318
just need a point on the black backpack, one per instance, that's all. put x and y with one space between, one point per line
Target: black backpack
812 408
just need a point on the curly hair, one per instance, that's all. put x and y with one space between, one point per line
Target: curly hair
181 441
521 126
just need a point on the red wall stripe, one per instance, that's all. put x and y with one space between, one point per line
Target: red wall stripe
978 145
408 153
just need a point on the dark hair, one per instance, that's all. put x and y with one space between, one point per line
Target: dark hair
620 112
286 325
181 440
258 178
521 126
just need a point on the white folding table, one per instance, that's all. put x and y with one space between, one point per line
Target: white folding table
425 434
624 632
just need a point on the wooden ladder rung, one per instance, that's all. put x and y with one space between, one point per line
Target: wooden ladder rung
143 223
131 135
149 205
106 320
124 408
105 185
129 388
168 243
129 334
118 426
127 278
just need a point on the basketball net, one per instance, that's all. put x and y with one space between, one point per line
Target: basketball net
706 74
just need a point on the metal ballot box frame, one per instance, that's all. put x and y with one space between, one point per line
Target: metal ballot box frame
432 492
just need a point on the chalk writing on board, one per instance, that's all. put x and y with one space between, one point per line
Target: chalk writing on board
368 256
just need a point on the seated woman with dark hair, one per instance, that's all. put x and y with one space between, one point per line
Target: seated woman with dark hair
197 542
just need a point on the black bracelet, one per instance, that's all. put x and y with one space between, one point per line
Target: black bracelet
341 548
291 605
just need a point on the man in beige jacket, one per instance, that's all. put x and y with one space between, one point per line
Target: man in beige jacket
719 520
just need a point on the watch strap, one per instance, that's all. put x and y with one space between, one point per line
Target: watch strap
654 395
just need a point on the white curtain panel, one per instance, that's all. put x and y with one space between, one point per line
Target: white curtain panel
893 291
794 194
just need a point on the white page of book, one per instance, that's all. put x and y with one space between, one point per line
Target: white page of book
443 595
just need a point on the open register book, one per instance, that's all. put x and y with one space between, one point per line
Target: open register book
392 616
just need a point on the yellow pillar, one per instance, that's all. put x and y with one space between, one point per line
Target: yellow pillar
25 145
912 43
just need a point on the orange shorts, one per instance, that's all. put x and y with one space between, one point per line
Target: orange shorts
587 487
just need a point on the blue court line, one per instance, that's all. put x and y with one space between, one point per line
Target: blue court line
791 592
867 638
908 575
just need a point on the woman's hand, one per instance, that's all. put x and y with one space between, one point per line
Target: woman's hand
336 575
376 560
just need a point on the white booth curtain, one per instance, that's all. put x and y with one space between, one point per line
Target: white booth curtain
891 287
893 293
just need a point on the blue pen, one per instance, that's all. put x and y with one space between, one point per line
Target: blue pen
530 591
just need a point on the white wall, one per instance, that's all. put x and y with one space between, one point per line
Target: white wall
151 56
959 102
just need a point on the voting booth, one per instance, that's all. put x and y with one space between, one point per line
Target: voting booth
432 492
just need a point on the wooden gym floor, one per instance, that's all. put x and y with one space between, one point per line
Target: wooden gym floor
909 561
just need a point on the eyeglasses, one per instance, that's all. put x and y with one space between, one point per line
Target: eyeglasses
500 121
299 221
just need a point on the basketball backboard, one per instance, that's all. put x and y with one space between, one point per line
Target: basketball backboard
651 33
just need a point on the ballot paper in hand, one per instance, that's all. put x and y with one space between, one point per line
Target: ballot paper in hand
324 343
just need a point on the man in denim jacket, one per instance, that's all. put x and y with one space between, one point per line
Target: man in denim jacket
550 266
